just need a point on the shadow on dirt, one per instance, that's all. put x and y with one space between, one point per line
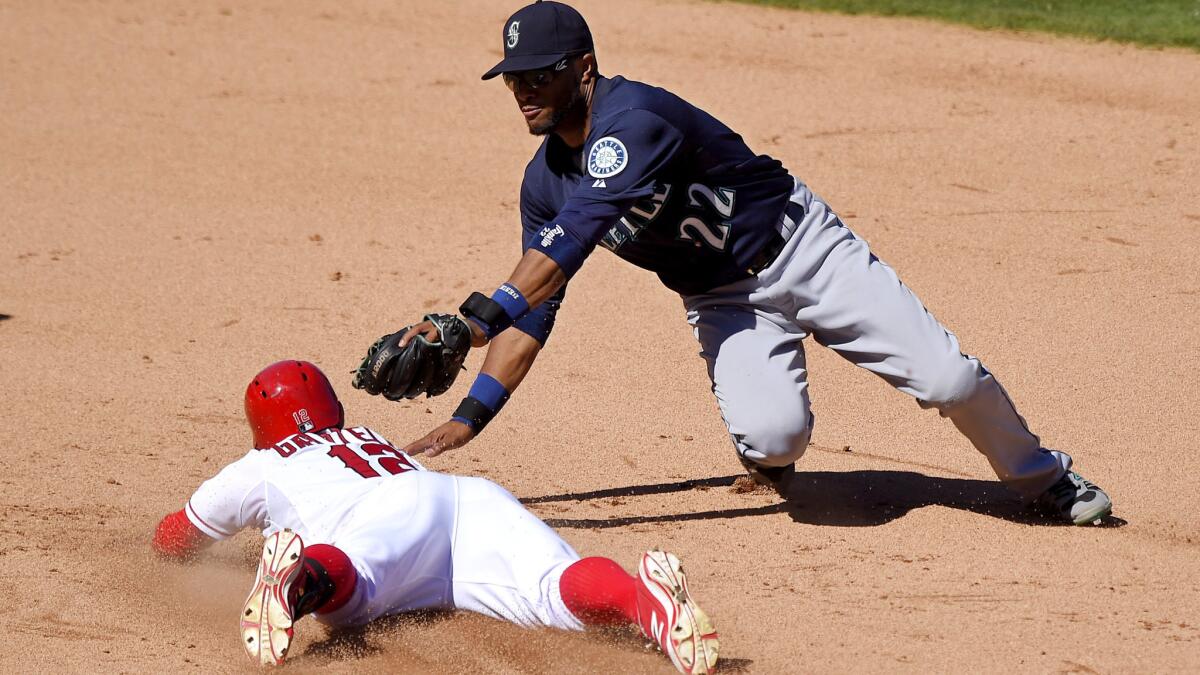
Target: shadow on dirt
836 498
5 317
634 490
400 643
358 642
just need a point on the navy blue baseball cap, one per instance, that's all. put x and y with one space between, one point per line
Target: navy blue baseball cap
540 35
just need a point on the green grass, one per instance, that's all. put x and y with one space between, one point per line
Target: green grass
1172 23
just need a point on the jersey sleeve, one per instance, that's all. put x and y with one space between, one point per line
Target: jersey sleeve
621 164
229 501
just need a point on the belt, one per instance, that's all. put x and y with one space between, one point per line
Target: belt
771 250
766 255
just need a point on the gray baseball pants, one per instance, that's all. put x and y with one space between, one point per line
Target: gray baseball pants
826 283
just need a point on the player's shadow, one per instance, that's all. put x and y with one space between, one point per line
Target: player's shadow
355 642
352 643
837 498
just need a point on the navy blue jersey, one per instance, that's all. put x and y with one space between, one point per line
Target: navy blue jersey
660 183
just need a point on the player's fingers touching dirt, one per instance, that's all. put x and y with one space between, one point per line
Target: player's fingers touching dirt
451 435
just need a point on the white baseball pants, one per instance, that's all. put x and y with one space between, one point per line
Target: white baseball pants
427 540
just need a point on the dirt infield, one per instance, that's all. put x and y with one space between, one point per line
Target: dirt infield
189 191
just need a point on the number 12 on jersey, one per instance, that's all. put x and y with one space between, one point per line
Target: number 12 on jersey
385 457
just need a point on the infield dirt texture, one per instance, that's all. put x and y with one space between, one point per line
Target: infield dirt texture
192 190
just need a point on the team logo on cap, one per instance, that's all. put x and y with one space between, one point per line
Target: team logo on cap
513 34
607 157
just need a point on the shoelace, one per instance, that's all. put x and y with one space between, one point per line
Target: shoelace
1069 486
311 590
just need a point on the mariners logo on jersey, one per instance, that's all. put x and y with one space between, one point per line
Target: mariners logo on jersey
513 34
607 158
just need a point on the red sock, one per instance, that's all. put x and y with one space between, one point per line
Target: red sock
340 570
599 592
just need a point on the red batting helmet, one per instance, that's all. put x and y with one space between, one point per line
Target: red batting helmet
290 397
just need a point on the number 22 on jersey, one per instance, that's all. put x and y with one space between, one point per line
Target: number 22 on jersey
720 202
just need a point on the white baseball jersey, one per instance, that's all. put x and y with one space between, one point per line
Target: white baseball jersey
307 483
417 538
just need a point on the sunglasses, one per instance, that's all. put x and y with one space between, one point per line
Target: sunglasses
535 79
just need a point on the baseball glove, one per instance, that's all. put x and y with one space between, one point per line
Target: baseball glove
421 367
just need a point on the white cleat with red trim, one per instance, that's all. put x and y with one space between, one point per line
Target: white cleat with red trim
268 614
670 617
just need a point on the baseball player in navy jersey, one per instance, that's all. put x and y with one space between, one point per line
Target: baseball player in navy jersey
356 529
759 261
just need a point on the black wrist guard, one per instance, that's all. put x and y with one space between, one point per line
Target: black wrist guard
487 313
474 413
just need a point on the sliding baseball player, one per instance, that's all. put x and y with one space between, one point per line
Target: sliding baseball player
356 529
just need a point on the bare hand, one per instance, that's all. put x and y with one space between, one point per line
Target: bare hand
425 328
451 435
430 332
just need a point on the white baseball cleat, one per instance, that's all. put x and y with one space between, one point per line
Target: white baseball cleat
268 614
670 617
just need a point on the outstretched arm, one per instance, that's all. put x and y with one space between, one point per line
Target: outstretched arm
177 538
536 277
510 354
222 505
509 357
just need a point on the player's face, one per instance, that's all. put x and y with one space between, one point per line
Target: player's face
545 96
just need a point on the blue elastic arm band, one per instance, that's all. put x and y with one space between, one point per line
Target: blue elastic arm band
486 398
493 315
488 391
513 301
